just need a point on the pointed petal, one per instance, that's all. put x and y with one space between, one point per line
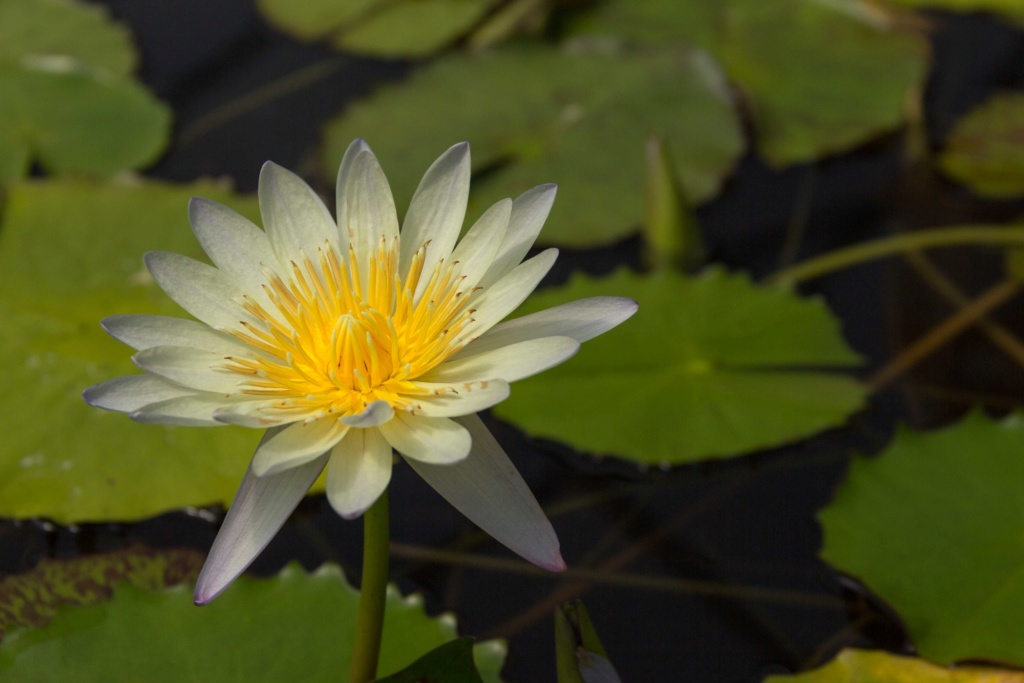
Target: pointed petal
510 363
487 489
464 398
233 243
202 290
128 394
296 220
376 413
259 510
196 410
504 296
582 320
146 331
435 440
476 251
191 368
366 209
358 472
529 211
296 444
258 414
437 210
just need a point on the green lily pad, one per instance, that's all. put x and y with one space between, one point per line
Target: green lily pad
1009 8
296 626
382 28
451 663
578 117
864 666
68 100
711 366
985 151
935 526
820 77
71 254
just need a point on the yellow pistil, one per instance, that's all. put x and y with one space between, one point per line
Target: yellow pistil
327 347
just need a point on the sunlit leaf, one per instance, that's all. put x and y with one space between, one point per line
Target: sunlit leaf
577 117
863 666
71 254
934 525
710 366
296 626
820 77
385 28
985 151
67 100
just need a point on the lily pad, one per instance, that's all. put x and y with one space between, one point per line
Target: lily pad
296 626
68 100
451 663
711 366
934 525
579 116
985 151
71 254
1009 8
864 666
820 77
382 28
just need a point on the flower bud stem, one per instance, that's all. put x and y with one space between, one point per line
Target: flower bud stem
370 620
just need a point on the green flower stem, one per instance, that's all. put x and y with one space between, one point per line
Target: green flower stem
897 244
370 620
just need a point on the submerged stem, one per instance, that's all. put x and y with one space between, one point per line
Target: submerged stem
370 620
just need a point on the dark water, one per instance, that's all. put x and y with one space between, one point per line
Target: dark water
703 573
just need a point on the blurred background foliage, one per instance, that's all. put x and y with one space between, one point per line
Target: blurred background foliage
655 118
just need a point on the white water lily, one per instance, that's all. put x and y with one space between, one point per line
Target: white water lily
347 340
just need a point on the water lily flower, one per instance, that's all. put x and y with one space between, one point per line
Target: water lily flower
349 339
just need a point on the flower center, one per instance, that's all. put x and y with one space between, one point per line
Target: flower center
331 341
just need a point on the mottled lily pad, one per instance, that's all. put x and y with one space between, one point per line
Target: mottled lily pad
934 525
68 101
863 666
985 151
579 117
819 77
71 254
711 366
383 28
296 626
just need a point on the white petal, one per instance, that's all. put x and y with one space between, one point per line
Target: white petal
207 293
582 320
487 489
529 211
191 368
366 209
196 410
453 400
477 249
258 414
296 444
376 413
358 472
437 210
505 295
296 220
145 331
233 243
510 363
128 394
259 510
435 440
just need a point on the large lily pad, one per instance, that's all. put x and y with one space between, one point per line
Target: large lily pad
711 366
71 254
578 117
820 77
383 28
296 626
1008 8
68 101
863 666
985 151
934 525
